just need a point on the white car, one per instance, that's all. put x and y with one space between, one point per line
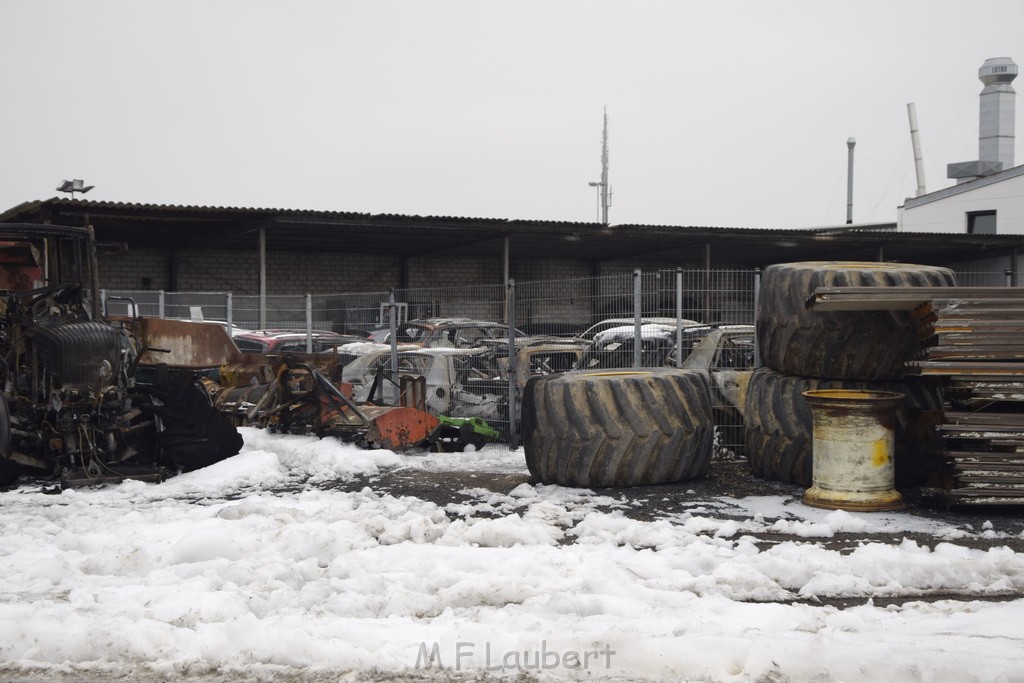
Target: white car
619 322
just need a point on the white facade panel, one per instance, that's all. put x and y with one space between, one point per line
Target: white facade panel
949 213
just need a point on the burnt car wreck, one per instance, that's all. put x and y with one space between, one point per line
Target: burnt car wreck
72 406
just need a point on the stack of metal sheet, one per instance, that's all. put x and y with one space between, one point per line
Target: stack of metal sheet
972 343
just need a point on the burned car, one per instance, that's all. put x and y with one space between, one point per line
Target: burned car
459 333
726 354
276 341
72 406
458 382
609 323
614 347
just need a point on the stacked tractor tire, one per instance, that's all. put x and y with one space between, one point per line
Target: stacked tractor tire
804 350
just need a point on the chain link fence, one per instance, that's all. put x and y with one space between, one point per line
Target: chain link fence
648 313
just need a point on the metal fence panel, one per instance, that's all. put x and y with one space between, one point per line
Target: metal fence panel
566 307
974 278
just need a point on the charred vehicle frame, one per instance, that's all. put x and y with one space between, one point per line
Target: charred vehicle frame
70 404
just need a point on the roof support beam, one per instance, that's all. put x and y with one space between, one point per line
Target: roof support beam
661 251
263 276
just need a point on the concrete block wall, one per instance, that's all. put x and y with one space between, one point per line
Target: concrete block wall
131 269
553 291
215 271
449 271
298 273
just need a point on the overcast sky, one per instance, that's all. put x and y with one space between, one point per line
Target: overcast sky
721 114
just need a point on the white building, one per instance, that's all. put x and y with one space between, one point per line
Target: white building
989 195
993 204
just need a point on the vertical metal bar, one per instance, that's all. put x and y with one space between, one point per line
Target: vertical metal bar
229 312
1009 277
263 277
94 268
1013 268
757 296
161 305
393 336
881 253
638 302
309 323
707 284
103 301
679 317
506 272
513 371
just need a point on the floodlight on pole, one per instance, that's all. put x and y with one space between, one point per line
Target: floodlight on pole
73 186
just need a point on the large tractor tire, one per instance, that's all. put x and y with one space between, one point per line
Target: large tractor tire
779 426
194 434
861 345
625 428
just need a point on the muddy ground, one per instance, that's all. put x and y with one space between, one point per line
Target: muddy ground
728 477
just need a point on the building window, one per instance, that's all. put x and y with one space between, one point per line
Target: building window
981 222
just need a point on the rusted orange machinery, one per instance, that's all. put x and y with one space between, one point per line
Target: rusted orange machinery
302 400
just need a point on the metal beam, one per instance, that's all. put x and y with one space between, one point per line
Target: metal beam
263 277
902 298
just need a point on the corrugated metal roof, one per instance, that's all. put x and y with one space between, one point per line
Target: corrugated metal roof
160 226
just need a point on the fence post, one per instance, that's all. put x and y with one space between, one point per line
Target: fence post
1009 277
679 317
757 295
513 371
638 304
228 313
393 337
309 323
162 312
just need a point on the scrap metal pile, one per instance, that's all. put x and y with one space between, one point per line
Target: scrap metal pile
303 400
85 399
972 344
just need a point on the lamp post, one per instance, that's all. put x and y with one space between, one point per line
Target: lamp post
603 198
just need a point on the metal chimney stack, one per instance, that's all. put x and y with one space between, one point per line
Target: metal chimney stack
849 181
997 110
995 133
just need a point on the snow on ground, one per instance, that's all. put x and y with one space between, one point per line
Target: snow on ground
224 574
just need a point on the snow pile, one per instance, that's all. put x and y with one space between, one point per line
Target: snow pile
170 581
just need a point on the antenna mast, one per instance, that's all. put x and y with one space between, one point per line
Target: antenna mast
604 188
